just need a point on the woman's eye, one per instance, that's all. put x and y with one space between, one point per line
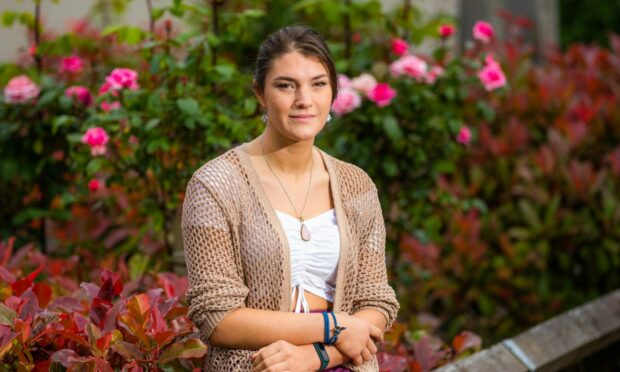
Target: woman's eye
320 83
285 86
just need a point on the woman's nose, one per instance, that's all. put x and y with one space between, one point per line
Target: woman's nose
302 98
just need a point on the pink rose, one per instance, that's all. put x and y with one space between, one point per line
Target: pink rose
121 78
133 140
105 105
20 89
364 83
382 94
80 93
109 106
96 138
71 65
464 136
410 65
433 74
483 31
492 75
399 46
446 30
344 81
94 185
346 101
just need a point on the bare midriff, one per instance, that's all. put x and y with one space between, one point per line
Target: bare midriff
314 302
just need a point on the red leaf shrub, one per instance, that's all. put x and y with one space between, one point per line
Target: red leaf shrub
93 326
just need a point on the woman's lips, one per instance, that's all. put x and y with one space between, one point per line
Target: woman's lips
302 117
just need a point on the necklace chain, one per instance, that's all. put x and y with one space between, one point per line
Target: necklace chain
282 186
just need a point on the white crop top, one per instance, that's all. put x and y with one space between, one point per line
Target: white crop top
314 263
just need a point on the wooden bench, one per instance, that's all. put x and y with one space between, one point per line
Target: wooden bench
553 344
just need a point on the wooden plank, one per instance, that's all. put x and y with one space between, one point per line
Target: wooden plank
553 344
495 358
567 338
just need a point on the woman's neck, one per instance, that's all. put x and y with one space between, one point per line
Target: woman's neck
292 158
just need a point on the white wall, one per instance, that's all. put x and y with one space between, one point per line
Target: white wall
57 18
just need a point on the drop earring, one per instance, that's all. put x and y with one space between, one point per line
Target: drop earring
264 117
329 117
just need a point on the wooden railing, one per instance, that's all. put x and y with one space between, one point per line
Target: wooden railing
553 344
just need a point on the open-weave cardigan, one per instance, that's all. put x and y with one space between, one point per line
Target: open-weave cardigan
237 253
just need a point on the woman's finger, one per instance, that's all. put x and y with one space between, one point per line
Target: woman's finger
366 355
376 333
358 361
371 347
274 362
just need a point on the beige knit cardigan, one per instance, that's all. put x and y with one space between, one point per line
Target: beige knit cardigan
237 253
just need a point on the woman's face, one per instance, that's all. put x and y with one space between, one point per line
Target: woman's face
297 96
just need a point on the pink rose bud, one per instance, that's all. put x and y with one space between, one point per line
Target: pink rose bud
71 65
399 46
346 101
364 83
446 30
382 94
109 106
409 65
483 31
94 185
123 78
80 93
32 50
433 74
491 75
464 136
20 89
96 138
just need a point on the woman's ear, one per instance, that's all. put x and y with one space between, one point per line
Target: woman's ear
258 93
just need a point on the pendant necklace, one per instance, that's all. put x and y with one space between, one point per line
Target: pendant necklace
303 230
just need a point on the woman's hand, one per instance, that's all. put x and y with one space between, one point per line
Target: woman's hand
357 342
284 356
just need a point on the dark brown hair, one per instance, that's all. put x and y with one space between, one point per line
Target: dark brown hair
296 38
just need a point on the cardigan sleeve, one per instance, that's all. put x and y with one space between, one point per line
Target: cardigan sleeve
373 290
216 285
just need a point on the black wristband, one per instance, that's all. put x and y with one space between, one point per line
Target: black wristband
323 355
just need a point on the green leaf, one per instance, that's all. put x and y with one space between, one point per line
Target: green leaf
8 18
225 71
392 129
192 348
189 107
158 13
137 265
152 123
7 315
529 214
61 121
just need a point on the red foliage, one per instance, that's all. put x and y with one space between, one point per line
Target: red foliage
91 326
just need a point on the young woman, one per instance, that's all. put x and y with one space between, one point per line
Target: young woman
284 244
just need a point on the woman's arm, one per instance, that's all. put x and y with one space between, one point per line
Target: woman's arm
252 329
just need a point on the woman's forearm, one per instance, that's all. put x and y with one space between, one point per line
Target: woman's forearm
251 329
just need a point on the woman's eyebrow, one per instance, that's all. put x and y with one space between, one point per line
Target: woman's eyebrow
287 78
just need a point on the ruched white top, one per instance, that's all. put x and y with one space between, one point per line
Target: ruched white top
314 263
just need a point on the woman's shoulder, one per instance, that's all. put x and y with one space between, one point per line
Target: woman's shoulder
351 177
221 173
